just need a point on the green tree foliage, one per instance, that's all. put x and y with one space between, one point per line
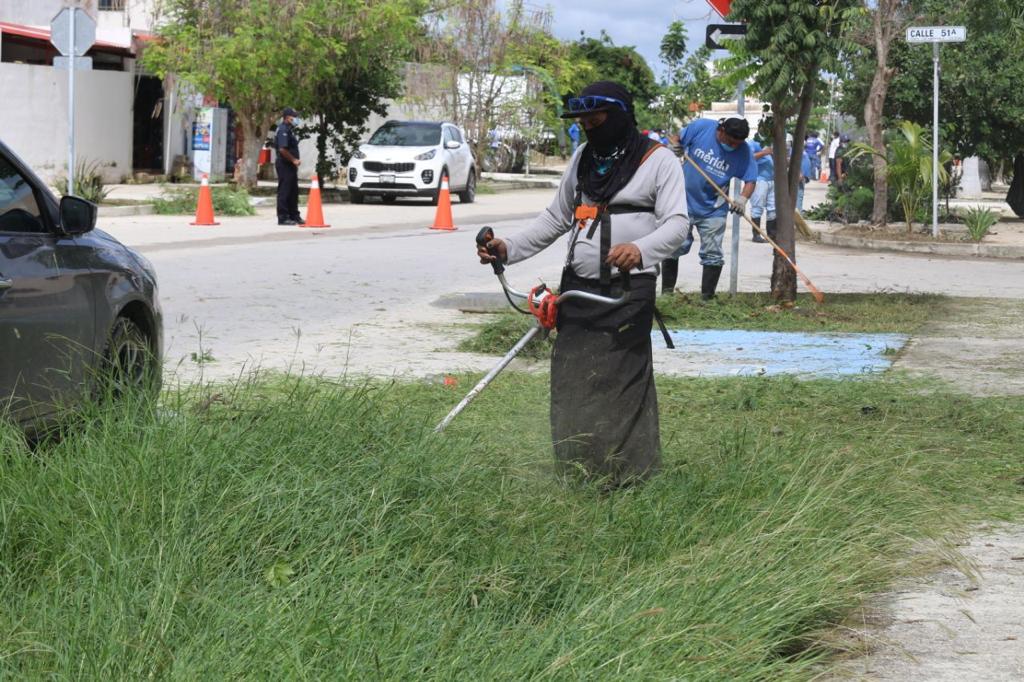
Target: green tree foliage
688 83
788 44
982 97
621 63
262 55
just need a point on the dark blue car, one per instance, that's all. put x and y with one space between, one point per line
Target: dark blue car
77 307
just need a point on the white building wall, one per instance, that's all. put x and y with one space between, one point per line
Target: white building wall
31 12
33 118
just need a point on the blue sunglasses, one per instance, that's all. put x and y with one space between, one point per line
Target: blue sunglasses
588 103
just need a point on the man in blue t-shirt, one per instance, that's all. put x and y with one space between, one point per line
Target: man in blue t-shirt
721 151
763 200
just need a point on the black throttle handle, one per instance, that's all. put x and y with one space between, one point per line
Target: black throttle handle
626 285
485 235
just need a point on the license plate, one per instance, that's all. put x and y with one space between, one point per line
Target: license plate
387 178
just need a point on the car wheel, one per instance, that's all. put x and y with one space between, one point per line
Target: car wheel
468 195
389 198
355 196
437 190
128 364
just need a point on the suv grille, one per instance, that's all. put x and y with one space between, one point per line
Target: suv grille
378 167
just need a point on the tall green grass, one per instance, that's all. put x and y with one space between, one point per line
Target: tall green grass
299 528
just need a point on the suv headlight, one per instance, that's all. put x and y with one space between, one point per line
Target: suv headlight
358 154
426 156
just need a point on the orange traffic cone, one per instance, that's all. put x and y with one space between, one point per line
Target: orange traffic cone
314 209
204 207
443 217
824 176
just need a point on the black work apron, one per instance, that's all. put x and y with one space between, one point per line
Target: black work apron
604 406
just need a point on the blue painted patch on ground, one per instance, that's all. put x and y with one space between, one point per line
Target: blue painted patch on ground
730 352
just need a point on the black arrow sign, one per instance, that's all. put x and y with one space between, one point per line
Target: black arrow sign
718 34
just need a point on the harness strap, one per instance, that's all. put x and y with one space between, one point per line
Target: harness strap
606 245
664 331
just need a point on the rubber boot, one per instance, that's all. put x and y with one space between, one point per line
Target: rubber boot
669 275
757 238
709 281
771 229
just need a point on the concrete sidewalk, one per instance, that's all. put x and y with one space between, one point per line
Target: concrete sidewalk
163 232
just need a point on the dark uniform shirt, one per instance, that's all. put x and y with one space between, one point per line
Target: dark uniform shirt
286 139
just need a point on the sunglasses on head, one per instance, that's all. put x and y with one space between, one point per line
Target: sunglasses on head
588 103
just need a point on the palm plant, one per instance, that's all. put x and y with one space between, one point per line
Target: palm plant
910 167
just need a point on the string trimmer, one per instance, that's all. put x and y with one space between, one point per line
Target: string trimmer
542 303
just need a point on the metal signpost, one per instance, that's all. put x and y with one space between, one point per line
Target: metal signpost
716 38
936 35
72 32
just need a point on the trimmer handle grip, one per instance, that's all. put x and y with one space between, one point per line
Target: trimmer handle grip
626 282
485 235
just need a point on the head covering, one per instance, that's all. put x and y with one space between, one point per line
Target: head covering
736 127
614 149
601 92
288 111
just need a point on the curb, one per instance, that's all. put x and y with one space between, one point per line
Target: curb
121 211
998 251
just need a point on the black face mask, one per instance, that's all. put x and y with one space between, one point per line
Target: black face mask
611 134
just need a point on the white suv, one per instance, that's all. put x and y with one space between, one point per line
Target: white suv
408 159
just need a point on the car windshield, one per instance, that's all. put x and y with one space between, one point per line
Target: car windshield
407 135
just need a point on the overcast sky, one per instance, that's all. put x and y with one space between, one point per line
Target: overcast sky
641 23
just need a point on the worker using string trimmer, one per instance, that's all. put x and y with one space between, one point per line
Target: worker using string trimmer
622 200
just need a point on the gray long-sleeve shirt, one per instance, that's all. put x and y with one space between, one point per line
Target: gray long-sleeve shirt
658 184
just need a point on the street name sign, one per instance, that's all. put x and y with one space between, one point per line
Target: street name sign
84 27
720 6
936 34
718 34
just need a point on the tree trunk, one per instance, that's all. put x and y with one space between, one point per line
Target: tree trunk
783 277
253 141
883 23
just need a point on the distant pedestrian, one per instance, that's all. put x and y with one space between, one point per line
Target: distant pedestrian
840 160
813 147
287 167
832 147
806 173
574 135
763 201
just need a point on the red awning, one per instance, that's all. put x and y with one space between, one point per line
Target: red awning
43 33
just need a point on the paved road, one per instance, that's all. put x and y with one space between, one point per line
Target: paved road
357 297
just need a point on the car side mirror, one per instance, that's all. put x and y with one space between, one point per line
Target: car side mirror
77 216
452 144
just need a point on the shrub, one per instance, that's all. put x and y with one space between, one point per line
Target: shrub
88 182
979 221
182 201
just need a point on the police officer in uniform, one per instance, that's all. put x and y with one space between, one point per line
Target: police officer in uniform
287 167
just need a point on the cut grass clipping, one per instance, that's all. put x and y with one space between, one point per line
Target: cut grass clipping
865 313
182 201
306 530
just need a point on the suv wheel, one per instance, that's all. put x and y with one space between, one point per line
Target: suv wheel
468 195
128 363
